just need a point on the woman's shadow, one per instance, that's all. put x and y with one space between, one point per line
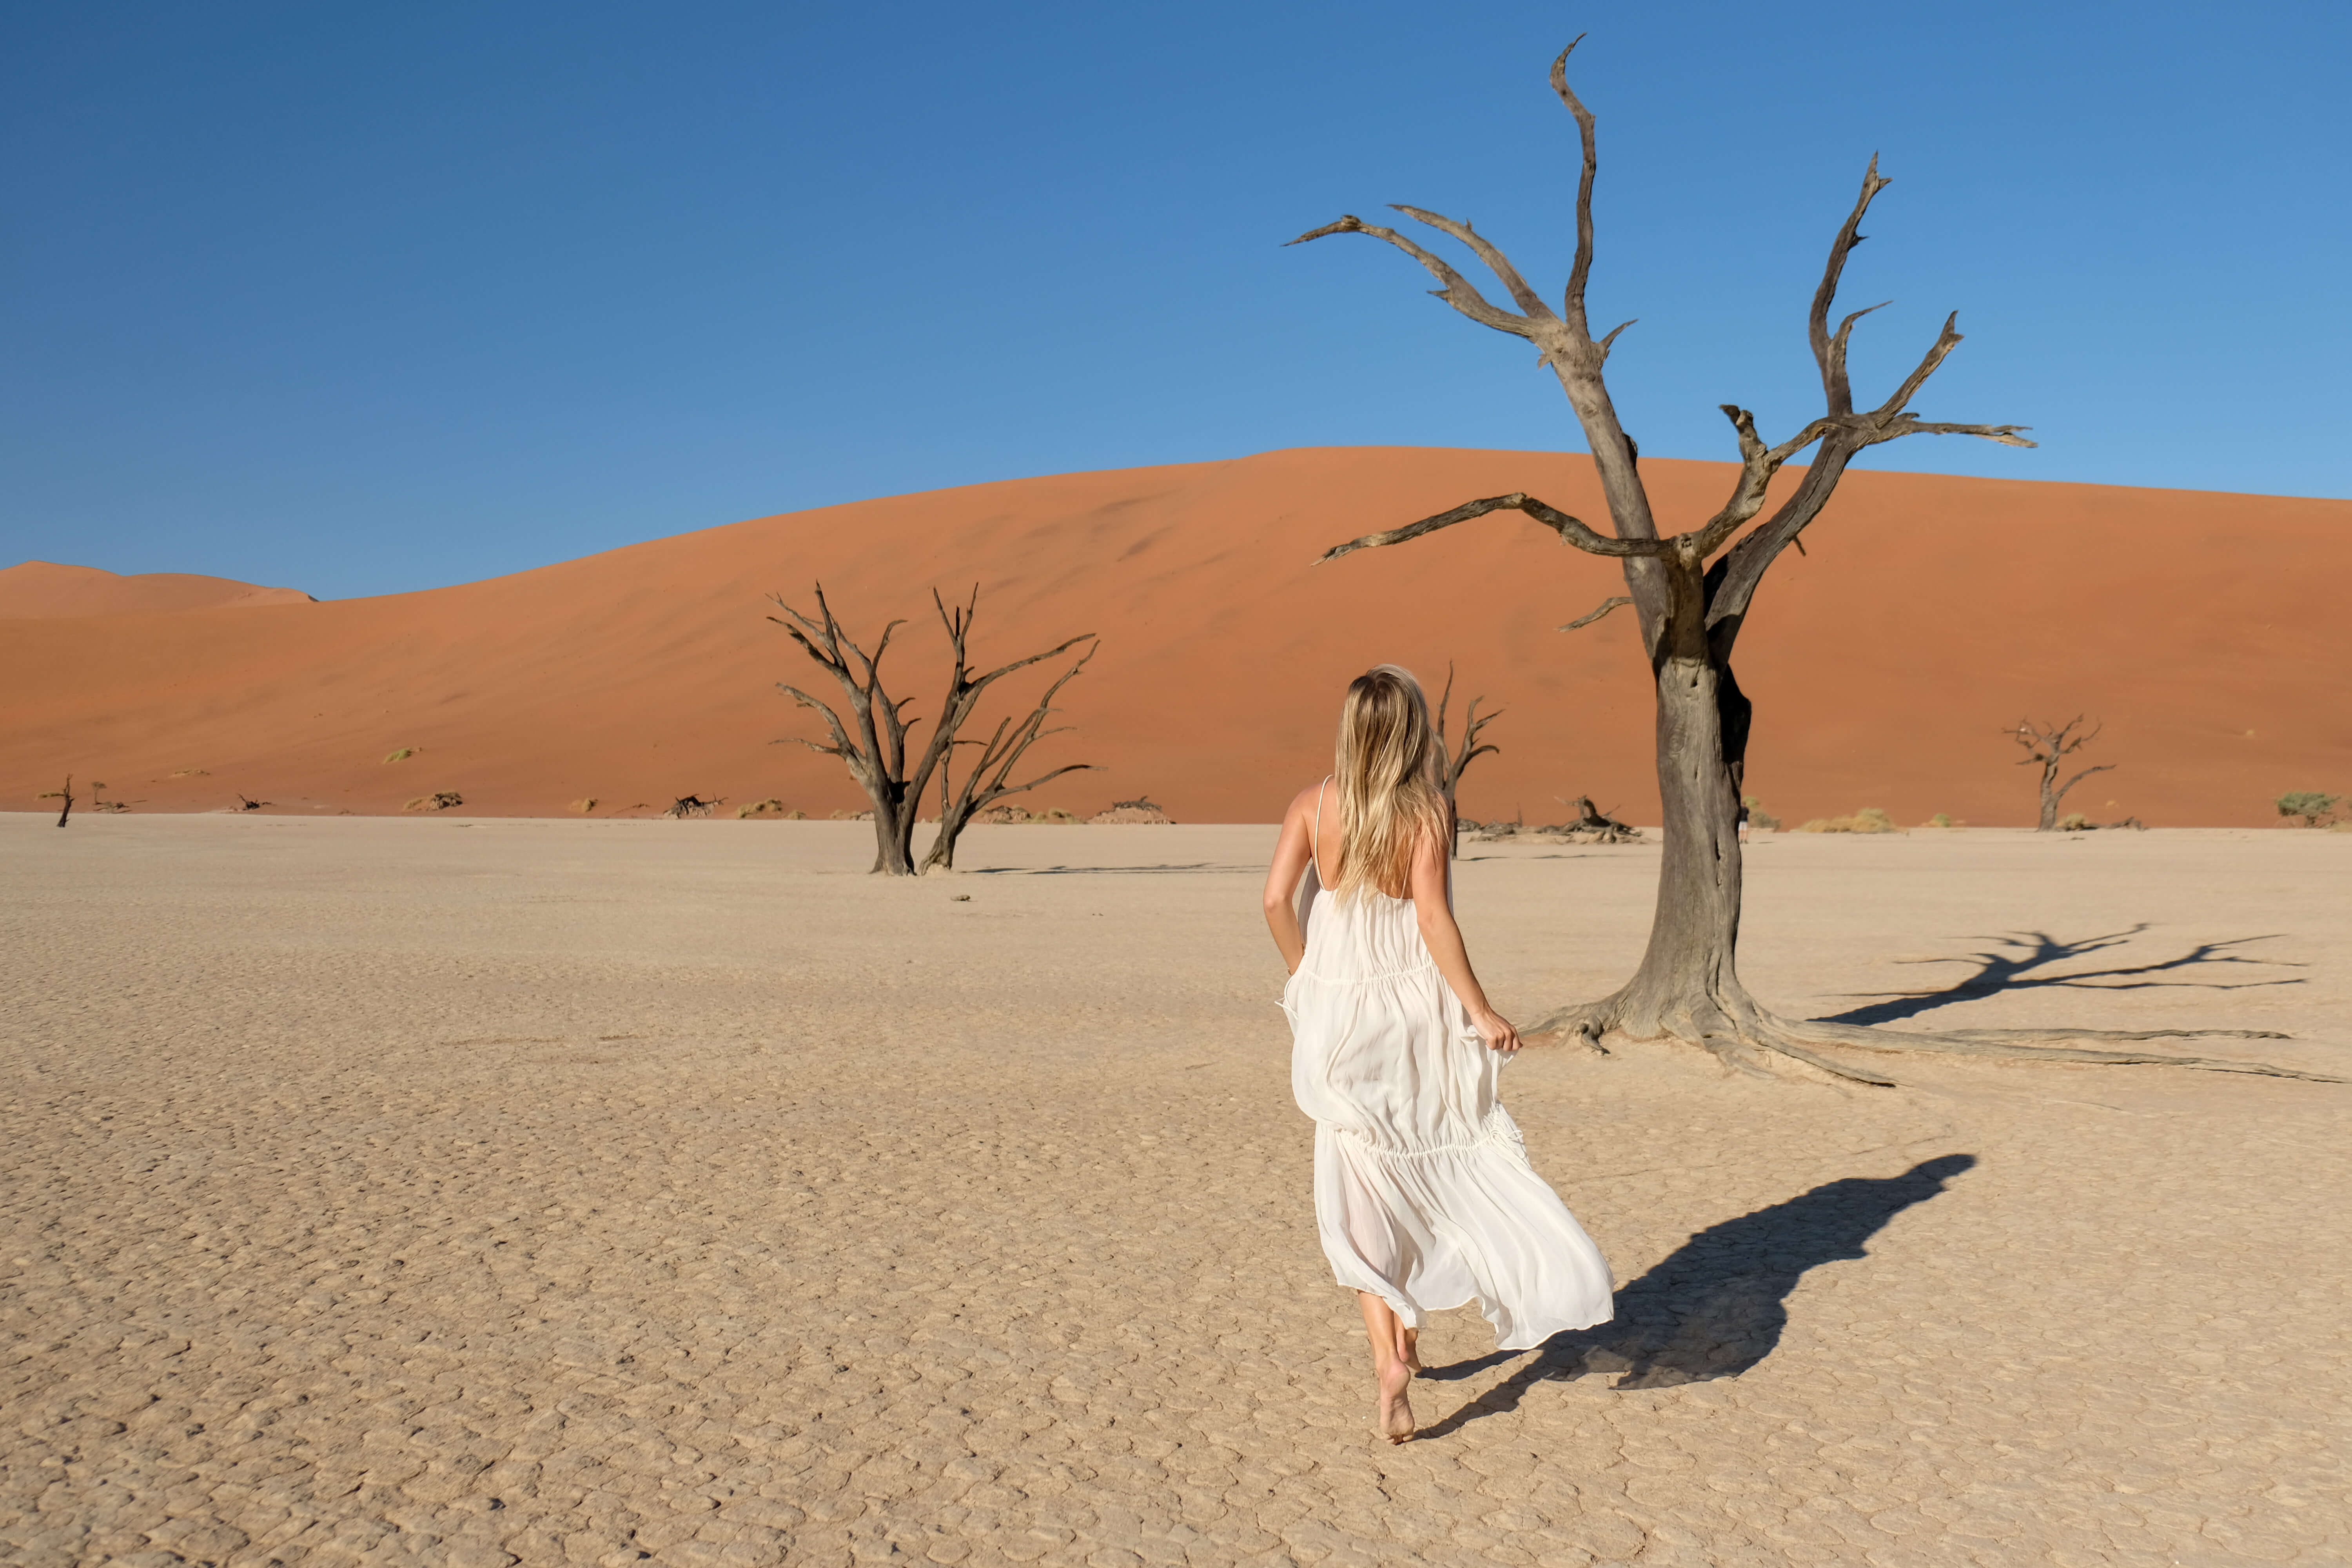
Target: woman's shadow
1718 1305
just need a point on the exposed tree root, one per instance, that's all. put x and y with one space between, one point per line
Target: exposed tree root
1735 1031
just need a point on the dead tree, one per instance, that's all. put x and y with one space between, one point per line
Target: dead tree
66 796
2050 745
1456 761
874 742
989 779
1692 592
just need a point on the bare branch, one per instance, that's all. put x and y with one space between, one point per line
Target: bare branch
1458 292
1834 385
1496 262
2007 435
1581 272
1603 344
1569 530
1589 617
2086 772
1937 352
1845 330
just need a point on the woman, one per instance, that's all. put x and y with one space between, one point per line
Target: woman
1424 1195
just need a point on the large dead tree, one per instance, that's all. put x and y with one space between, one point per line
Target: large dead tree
873 741
2049 745
1692 592
1456 761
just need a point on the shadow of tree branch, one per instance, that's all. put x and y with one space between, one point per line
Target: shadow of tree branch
2012 963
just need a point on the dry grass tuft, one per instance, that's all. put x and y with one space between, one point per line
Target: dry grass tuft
1138 810
1869 819
771 808
402 755
439 800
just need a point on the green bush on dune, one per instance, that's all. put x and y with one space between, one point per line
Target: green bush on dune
2309 805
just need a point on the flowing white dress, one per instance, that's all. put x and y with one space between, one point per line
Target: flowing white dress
1423 1194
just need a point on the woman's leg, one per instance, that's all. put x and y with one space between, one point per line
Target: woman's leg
1391 1368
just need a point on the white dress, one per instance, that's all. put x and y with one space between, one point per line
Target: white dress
1423 1194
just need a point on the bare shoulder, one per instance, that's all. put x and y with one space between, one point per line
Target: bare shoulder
1302 804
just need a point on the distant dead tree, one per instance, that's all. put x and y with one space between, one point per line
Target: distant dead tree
2050 745
1692 593
688 806
1457 759
873 743
66 796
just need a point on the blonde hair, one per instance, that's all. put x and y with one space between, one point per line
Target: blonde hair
1387 770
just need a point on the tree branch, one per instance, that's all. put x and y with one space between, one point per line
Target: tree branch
1457 291
1829 354
1589 617
2007 435
1569 530
2078 778
1587 136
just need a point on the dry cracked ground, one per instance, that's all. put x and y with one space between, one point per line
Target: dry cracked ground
611 1192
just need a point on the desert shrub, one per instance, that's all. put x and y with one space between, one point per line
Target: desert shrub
1761 820
402 755
769 808
2073 822
1941 819
439 800
1869 819
2307 804
584 807
1139 810
1055 815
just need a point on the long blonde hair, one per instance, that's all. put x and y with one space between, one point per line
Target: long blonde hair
1387 770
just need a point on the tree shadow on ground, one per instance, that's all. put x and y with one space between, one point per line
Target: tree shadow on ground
2013 962
1718 1305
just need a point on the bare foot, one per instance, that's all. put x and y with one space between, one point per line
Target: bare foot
1392 1418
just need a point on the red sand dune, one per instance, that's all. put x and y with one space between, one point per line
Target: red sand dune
42 590
1931 613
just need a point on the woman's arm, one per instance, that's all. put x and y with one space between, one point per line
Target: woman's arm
1291 853
1432 866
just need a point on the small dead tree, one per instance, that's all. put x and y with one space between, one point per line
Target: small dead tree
1692 593
2050 745
1457 759
873 743
66 796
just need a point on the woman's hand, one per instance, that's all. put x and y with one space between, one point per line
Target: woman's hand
1497 1031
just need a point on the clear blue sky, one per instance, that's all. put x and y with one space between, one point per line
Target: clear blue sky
367 299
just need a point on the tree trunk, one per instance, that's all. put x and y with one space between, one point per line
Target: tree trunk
2049 822
894 831
1688 983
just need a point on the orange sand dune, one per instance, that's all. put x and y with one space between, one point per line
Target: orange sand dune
41 590
1931 613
